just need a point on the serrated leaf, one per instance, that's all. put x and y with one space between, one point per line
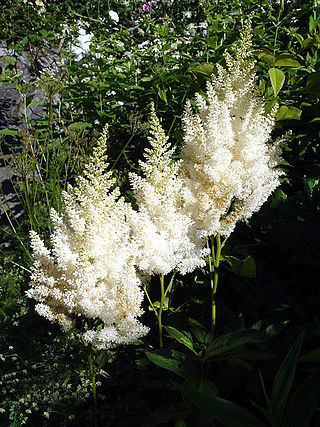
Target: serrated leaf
277 78
227 413
288 113
180 337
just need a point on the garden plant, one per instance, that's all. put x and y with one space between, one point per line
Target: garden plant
160 213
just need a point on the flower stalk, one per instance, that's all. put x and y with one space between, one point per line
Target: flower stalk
214 262
93 385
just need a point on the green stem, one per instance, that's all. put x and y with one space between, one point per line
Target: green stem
93 383
150 302
122 151
216 254
277 26
160 310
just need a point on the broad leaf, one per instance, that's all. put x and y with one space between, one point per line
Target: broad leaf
313 84
287 60
277 78
288 113
233 341
225 412
204 68
248 268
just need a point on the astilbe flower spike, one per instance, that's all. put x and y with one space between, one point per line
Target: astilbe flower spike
164 234
90 269
230 169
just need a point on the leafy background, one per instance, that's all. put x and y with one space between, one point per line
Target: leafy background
262 368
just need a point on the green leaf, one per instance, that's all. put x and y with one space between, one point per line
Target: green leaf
233 341
180 337
312 24
278 196
7 131
227 413
288 113
277 78
312 356
174 361
284 380
299 37
309 41
304 402
313 84
10 59
267 57
286 60
165 414
204 68
248 268
166 363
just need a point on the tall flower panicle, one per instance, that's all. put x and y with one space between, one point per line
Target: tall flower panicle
90 269
164 234
230 169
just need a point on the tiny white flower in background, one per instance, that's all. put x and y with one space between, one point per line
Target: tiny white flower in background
187 14
164 234
90 269
230 168
114 16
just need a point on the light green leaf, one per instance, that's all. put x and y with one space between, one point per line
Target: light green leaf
204 68
7 131
288 113
277 78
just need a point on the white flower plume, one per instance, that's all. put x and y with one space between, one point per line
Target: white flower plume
90 269
164 234
229 166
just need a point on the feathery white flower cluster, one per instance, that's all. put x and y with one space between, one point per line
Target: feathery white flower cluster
165 236
230 169
90 270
